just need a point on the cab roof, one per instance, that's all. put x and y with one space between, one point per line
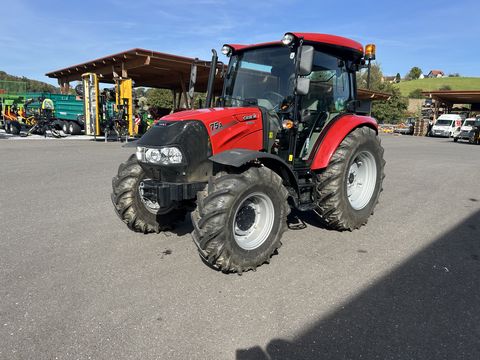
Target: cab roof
311 38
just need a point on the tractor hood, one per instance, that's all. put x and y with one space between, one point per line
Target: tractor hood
199 134
212 115
227 128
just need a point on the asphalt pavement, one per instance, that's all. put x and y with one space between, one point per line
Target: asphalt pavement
75 283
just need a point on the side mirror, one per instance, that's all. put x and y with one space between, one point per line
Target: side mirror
306 61
303 85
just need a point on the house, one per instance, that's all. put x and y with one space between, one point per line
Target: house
435 74
421 76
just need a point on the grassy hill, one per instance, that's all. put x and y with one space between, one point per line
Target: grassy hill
31 85
455 83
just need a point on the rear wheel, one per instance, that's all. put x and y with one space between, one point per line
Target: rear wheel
349 188
140 215
240 218
74 128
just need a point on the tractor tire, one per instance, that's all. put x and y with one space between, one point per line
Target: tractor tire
240 218
74 128
15 128
349 188
65 127
132 209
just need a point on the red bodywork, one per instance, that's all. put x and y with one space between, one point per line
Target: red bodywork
311 37
228 128
327 144
241 128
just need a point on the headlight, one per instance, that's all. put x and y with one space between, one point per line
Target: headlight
161 156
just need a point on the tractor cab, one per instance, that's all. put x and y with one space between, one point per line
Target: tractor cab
300 84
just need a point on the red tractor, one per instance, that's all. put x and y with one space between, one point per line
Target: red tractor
287 132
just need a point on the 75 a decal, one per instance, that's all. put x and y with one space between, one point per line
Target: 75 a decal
215 126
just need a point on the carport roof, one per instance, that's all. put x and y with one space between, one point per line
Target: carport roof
364 94
455 96
145 67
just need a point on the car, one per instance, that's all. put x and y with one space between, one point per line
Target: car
407 127
446 124
474 135
463 133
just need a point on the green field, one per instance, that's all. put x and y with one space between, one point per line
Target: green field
456 83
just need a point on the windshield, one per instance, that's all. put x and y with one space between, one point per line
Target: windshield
443 122
262 77
469 123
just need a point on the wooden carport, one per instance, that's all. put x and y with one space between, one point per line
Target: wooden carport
182 75
451 97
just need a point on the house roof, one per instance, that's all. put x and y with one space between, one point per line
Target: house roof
436 72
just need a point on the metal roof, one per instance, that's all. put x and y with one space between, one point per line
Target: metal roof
454 96
364 94
145 67
312 38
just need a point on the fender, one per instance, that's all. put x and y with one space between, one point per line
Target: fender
333 134
240 157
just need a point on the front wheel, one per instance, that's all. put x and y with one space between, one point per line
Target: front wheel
348 189
240 219
139 213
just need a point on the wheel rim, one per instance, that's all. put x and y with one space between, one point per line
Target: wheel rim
253 221
361 180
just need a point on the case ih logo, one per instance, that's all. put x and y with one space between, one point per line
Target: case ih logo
250 117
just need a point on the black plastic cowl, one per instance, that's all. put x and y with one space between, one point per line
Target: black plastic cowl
191 137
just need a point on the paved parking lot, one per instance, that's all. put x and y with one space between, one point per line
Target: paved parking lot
75 283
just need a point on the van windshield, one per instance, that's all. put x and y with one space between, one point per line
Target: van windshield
443 122
469 123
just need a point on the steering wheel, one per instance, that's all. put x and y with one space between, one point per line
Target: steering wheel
272 96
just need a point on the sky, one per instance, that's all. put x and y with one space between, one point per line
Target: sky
41 36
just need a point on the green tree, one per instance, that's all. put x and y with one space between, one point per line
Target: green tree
161 98
393 110
414 73
376 77
416 94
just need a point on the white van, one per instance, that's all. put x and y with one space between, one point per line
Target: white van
446 125
463 133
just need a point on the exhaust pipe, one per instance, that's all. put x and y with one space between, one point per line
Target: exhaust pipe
211 79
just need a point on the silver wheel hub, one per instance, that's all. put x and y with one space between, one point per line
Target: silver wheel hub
253 221
361 180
